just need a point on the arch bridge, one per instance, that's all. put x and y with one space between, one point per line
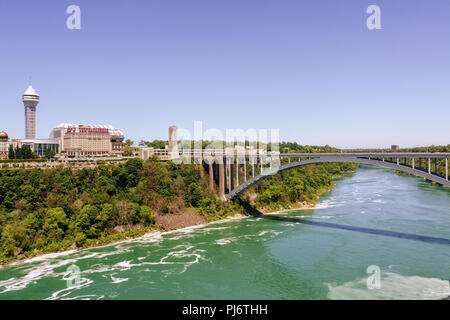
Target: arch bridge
234 174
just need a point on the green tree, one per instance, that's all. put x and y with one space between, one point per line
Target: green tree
84 222
105 213
14 239
11 152
55 224
49 154
194 195
146 216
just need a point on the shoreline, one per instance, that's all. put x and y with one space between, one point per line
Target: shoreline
147 236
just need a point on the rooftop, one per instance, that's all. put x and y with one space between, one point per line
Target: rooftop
30 91
111 129
37 141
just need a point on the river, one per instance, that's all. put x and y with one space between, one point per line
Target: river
262 258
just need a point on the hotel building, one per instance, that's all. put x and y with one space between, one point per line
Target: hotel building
77 140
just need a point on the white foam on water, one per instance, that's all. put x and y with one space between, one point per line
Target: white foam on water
117 280
264 232
88 297
328 203
63 293
261 236
216 228
393 286
321 217
123 265
222 242
45 269
290 224
43 257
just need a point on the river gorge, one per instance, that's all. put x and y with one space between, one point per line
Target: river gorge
290 257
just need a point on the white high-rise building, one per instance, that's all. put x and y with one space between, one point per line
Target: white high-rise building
173 143
30 100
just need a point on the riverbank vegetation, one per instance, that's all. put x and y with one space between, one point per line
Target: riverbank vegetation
298 186
48 210
437 165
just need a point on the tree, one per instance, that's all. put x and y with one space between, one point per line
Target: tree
84 221
133 166
23 152
11 153
49 154
105 213
146 216
123 213
55 224
129 142
28 193
122 179
157 144
194 195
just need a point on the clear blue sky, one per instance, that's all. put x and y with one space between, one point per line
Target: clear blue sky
310 68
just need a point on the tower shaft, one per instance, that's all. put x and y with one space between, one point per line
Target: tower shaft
30 121
30 100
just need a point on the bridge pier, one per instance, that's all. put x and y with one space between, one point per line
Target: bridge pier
446 169
211 175
245 170
429 165
228 176
262 164
231 176
221 180
253 169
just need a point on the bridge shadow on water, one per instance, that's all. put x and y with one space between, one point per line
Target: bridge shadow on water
387 233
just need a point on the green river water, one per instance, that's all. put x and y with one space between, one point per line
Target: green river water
263 258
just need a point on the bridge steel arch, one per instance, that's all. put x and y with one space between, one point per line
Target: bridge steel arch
235 193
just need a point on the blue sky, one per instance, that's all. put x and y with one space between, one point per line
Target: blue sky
309 68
